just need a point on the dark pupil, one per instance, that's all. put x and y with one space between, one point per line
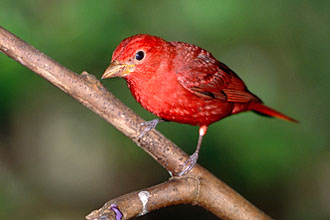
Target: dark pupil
139 55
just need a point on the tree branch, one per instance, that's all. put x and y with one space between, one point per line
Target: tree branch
213 194
176 191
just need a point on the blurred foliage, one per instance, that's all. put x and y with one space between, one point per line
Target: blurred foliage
58 160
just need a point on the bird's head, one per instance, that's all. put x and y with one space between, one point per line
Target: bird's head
136 54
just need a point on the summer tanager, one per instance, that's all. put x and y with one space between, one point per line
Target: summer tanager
183 83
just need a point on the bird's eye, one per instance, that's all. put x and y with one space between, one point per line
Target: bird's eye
139 55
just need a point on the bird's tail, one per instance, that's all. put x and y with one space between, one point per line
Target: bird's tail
266 111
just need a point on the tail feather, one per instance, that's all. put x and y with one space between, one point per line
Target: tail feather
264 110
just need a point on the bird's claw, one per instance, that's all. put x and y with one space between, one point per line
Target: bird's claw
189 164
149 125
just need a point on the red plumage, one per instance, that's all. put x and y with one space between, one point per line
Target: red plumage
182 82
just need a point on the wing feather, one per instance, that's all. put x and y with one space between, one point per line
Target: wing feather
206 77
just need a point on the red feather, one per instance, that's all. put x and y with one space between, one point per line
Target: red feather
264 110
183 83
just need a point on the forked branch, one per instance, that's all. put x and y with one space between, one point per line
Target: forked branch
199 187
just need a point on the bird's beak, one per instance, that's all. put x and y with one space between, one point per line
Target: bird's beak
117 69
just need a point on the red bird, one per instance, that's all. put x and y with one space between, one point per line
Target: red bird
183 83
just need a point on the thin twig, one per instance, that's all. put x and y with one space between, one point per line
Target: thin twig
213 194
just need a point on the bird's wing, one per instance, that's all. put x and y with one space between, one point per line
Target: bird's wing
203 75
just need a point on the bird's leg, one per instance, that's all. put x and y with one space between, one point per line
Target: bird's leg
190 163
149 125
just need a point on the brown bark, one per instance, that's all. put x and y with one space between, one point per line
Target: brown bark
198 187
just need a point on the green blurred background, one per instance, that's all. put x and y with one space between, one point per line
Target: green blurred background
59 160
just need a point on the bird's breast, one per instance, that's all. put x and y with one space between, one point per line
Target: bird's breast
163 96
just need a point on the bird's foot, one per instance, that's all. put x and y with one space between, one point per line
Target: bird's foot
148 126
189 164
